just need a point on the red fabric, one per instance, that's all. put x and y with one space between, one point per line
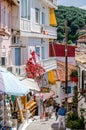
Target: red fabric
59 50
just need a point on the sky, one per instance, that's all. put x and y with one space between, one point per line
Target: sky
76 3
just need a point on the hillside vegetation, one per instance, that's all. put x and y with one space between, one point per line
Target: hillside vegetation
76 19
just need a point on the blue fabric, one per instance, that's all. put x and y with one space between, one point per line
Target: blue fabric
62 111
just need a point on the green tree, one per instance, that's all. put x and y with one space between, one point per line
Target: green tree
76 19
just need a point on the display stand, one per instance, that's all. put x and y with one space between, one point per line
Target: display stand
20 108
7 115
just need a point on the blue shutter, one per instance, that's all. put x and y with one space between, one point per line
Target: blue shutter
17 56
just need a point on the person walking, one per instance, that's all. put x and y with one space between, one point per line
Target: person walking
61 116
47 112
50 110
56 110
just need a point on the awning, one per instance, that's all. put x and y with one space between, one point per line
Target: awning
31 83
52 77
45 96
53 21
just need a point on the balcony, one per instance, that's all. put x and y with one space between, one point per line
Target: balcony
53 1
50 3
17 70
48 64
50 32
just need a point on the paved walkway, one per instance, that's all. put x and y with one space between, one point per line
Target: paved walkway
38 124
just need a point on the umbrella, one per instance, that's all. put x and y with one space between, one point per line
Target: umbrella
11 85
31 83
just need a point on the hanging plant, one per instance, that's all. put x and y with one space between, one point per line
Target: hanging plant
33 69
74 75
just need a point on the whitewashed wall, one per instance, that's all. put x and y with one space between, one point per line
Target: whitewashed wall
60 92
36 4
33 42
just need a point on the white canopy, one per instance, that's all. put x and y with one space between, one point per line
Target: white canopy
31 83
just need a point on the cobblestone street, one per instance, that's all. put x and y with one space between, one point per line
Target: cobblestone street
38 124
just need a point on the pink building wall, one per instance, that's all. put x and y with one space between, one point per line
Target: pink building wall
5 41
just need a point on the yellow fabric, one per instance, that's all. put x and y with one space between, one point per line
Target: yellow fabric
53 21
51 77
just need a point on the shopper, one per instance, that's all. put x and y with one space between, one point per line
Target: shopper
46 112
56 111
61 116
50 110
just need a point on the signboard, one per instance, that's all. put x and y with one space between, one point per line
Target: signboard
45 90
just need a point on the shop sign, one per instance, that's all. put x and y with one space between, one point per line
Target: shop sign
45 89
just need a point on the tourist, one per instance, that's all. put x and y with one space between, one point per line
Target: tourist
61 116
56 111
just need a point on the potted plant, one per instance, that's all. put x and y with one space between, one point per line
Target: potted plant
75 122
74 75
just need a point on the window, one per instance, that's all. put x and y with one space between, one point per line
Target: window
43 18
8 19
43 56
37 15
25 9
37 50
3 61
3 15
15 39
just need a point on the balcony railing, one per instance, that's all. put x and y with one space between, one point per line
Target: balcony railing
53 1
49 64
17 70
